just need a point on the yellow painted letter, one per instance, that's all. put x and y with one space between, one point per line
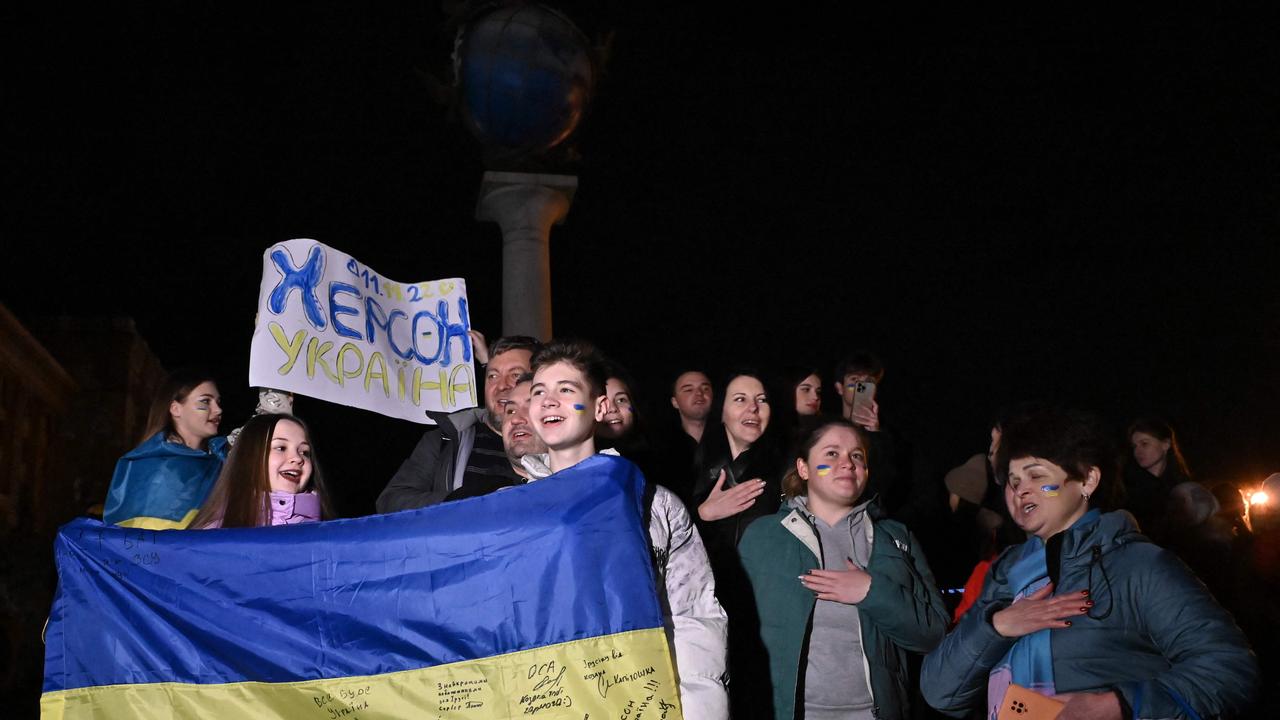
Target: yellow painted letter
316 351
291 348
380 373
343 373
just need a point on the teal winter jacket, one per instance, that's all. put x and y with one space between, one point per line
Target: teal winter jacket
901 612
1154 633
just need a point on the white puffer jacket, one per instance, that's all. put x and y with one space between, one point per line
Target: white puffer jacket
696 624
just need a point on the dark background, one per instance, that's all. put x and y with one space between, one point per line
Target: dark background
1072 207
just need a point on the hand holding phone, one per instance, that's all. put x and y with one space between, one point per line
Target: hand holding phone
864 394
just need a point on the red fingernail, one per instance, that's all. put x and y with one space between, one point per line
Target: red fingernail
1085 609
1088 603
1084 592
1068 623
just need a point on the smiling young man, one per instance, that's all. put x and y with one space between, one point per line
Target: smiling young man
567 400
565 407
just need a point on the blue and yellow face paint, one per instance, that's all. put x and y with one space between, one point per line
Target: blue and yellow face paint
1050 490
824 470
579 408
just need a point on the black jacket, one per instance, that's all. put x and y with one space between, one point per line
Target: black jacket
438 465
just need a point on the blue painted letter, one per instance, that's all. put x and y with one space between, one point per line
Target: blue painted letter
375 317
335 309
456 330
305 279
438 330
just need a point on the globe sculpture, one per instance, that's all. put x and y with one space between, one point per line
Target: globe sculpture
525 76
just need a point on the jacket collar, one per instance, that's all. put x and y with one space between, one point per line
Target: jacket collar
285 505
801 503
538 464
1097 529
798 521
455 423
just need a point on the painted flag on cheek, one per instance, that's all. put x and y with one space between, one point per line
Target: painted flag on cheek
536 601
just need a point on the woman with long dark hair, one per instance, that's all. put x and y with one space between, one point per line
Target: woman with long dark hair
739 476
738 481
799 409
161 483
622 427
1155 467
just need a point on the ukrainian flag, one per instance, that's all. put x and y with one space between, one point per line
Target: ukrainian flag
160 485
533 602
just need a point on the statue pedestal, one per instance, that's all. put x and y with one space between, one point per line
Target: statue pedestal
525 206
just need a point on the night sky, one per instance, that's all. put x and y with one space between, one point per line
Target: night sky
1073 208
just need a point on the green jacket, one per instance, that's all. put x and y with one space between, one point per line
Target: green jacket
902 611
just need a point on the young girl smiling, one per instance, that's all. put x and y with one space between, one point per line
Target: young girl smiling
271 478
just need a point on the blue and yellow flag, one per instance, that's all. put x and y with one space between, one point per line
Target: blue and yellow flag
160 485
533 602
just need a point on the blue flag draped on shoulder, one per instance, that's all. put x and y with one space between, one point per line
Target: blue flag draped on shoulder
536 601
160 485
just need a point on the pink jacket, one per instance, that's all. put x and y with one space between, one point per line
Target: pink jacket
291 509
286 509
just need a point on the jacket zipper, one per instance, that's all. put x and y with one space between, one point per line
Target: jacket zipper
866 663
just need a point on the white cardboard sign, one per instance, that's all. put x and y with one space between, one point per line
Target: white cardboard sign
330 327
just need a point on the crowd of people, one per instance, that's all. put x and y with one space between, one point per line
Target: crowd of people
795 550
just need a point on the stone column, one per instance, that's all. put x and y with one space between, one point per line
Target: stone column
525 206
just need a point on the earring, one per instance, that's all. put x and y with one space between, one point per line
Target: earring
1085 494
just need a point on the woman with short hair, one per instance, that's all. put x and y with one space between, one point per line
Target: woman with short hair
1087 611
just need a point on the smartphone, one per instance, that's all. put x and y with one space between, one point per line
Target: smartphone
1023 704
864 393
